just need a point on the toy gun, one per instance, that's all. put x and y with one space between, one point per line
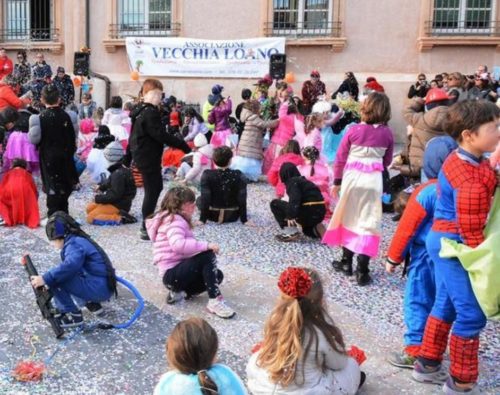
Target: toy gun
43 298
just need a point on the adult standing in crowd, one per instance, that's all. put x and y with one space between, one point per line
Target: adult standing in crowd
146 145
482 89
22 69
312 89
42 73
419 88
6 66
349 85
65 86
456 91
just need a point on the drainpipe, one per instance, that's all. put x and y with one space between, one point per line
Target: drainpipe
106 80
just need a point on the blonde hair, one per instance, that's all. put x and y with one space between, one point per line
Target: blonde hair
285 330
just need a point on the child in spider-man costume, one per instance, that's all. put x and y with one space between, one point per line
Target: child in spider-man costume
409 241
466 184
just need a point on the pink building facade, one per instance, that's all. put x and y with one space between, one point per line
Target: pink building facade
392 40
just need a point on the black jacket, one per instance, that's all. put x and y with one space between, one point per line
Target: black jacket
148 138
223 188
119 188
299 189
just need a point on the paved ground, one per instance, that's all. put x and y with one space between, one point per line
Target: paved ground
131 361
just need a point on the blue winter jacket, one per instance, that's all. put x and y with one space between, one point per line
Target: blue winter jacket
78 257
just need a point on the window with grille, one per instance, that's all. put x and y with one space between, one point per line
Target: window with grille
144 18
28 20
459 17
303 18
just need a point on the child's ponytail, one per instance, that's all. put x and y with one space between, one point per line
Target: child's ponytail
191 349
207 385
311 153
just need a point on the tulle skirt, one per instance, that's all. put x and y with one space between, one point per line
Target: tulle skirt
250 167
272 152
19 146
219 137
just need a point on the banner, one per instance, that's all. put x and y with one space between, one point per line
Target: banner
189 57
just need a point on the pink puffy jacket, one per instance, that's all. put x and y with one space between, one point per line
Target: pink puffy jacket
172 240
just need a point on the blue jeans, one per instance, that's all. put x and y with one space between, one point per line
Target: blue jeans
455 300
81 289
420 292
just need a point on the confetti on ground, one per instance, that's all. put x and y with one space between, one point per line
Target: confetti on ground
131 361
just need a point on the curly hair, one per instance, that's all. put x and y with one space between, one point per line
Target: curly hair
286 328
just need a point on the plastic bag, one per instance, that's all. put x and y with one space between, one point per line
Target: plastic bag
482 263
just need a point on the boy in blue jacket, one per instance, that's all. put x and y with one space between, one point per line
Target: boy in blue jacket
409 240
85 276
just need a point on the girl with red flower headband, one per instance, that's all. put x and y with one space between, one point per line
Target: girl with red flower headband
303 352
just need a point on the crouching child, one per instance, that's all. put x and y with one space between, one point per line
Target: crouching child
85 277
114 198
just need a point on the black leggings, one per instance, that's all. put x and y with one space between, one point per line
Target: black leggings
309 216
57 202
153 185
195 275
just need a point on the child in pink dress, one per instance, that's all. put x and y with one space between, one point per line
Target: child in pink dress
310 135
289 153
86 138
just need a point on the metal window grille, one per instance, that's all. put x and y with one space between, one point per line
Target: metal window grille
28 20
463 17
144 18
303 18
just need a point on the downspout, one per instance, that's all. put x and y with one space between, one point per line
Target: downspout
106 80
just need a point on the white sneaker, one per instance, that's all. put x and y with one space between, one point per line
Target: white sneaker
219 307
43 222
174 297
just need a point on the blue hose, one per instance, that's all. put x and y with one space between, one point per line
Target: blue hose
140 304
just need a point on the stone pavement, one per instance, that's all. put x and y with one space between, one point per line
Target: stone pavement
131 361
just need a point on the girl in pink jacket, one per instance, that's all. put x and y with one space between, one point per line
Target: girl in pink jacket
188 266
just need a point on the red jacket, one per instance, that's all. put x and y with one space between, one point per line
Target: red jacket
8 98
6 67
18 199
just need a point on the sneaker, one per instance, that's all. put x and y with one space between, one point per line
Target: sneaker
402 360
71 320
144 235
94 308
2 222
429 375
219 307
173 297
285 237
450 388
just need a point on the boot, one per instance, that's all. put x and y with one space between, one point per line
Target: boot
345 264
362 271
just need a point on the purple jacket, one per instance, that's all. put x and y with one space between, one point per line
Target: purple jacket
219 116
363 135
172 240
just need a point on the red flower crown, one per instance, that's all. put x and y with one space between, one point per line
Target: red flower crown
295 282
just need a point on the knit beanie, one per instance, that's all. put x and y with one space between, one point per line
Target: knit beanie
200 140
113 152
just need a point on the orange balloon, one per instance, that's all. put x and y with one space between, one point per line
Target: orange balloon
77 82
290 78
134 75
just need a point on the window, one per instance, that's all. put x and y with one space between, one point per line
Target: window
144 18
303 18
463 17
28 20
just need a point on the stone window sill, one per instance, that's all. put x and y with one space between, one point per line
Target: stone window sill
427 43
53 46
337 44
